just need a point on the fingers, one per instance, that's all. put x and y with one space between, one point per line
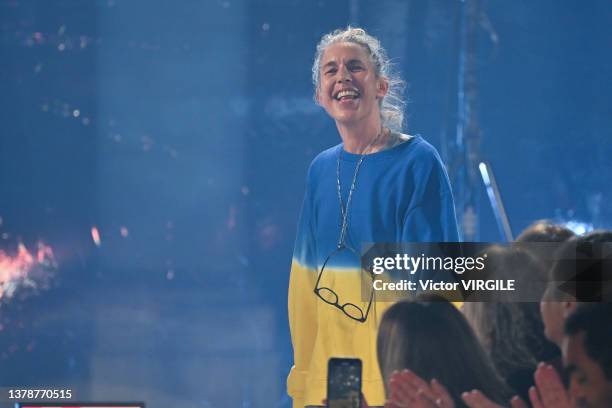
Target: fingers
443 398
425 402
409 390
417 382
534 397
551 391
476 399
403 394
517 402
422 386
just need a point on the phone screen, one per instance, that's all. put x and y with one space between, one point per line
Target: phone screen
344 383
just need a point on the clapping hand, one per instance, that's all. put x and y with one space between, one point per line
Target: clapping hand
409 390
548 392
476 399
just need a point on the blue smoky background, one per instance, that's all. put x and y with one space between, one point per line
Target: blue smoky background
153 159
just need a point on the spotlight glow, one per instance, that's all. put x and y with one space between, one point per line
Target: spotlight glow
95 235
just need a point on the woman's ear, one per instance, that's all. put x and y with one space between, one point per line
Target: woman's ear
569 307
383 87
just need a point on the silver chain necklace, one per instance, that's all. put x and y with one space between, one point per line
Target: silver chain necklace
345 210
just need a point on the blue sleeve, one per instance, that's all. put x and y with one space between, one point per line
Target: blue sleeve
305 244
302 302
432 221
431 214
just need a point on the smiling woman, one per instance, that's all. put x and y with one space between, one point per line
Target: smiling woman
350 91
391 104
378 185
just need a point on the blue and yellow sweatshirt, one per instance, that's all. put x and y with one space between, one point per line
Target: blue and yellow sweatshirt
401 195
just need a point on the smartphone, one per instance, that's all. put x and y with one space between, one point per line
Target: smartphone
344 383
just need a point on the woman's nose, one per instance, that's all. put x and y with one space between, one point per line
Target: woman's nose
343 75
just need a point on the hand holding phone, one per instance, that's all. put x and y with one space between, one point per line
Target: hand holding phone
344 383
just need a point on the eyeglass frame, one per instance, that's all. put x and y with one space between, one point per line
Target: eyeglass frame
341 241
318 289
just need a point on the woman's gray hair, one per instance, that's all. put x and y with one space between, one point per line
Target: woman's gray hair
392 104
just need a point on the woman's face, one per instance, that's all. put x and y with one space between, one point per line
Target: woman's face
349 89
552 317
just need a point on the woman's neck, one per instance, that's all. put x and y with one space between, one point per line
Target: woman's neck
356 139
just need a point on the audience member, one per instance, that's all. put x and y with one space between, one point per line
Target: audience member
563 294
545 231
587 354
587 337
512 332
541 239
587 358
426 343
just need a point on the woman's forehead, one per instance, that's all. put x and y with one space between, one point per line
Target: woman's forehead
343 52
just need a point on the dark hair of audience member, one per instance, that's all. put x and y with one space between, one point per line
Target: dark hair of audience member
431 338
595 320
512 332
580 262
545 231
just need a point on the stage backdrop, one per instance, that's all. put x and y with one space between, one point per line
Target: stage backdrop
153 157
